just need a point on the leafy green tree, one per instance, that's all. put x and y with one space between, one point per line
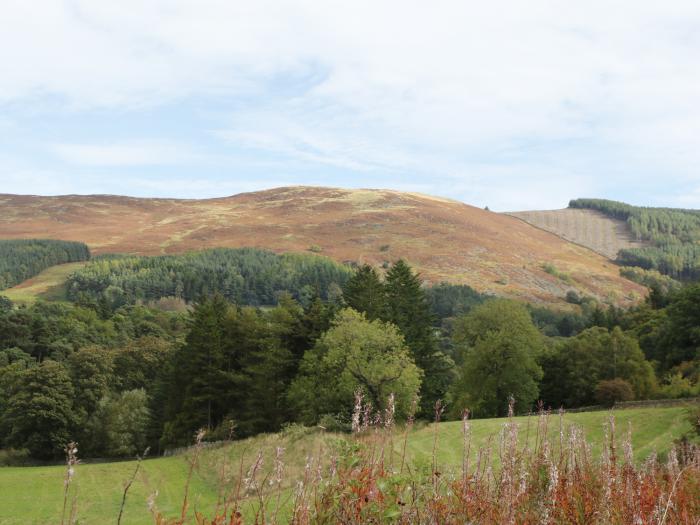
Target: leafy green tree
10 374
5 304
120 423
497 368
137 364
39 413
451 300
355 354
682 333
13 355
91 374
365 293
677 386
576 366
494 315
500 346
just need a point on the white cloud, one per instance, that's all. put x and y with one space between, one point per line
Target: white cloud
429 88
123 154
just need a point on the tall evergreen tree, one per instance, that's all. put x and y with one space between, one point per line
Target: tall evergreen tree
273 348
409 310
364 292
317 320
270 372
200 384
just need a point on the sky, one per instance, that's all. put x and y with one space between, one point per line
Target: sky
508 104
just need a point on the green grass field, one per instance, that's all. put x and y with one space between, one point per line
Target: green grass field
48 285
34 495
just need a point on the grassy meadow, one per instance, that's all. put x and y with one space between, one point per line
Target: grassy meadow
48 285
34 495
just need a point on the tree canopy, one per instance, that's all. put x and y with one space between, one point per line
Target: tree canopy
355 353
499 348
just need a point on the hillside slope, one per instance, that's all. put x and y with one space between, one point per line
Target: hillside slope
589 228
444 239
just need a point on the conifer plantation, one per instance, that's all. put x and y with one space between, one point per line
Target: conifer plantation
22 259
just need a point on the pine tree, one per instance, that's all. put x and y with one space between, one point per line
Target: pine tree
200 383
270 371
364 292
409 310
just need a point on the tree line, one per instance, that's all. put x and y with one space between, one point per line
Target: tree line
140 376
672 233
22 259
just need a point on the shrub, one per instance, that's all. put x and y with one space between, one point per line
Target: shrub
608 392
573 297
334 423
11 457
677 386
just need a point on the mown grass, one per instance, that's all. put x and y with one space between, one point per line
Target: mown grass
48 285
35 494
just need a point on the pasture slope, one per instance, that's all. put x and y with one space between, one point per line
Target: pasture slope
34 495
445 240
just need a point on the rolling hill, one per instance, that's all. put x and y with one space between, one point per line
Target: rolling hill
444 239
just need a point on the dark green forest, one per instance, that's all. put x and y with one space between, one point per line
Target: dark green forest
121 379
22 259
244 276
673 235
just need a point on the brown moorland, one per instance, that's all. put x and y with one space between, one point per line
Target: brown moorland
443 239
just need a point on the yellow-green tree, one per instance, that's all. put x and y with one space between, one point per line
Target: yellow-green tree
355 354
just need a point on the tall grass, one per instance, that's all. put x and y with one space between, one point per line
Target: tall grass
522 476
